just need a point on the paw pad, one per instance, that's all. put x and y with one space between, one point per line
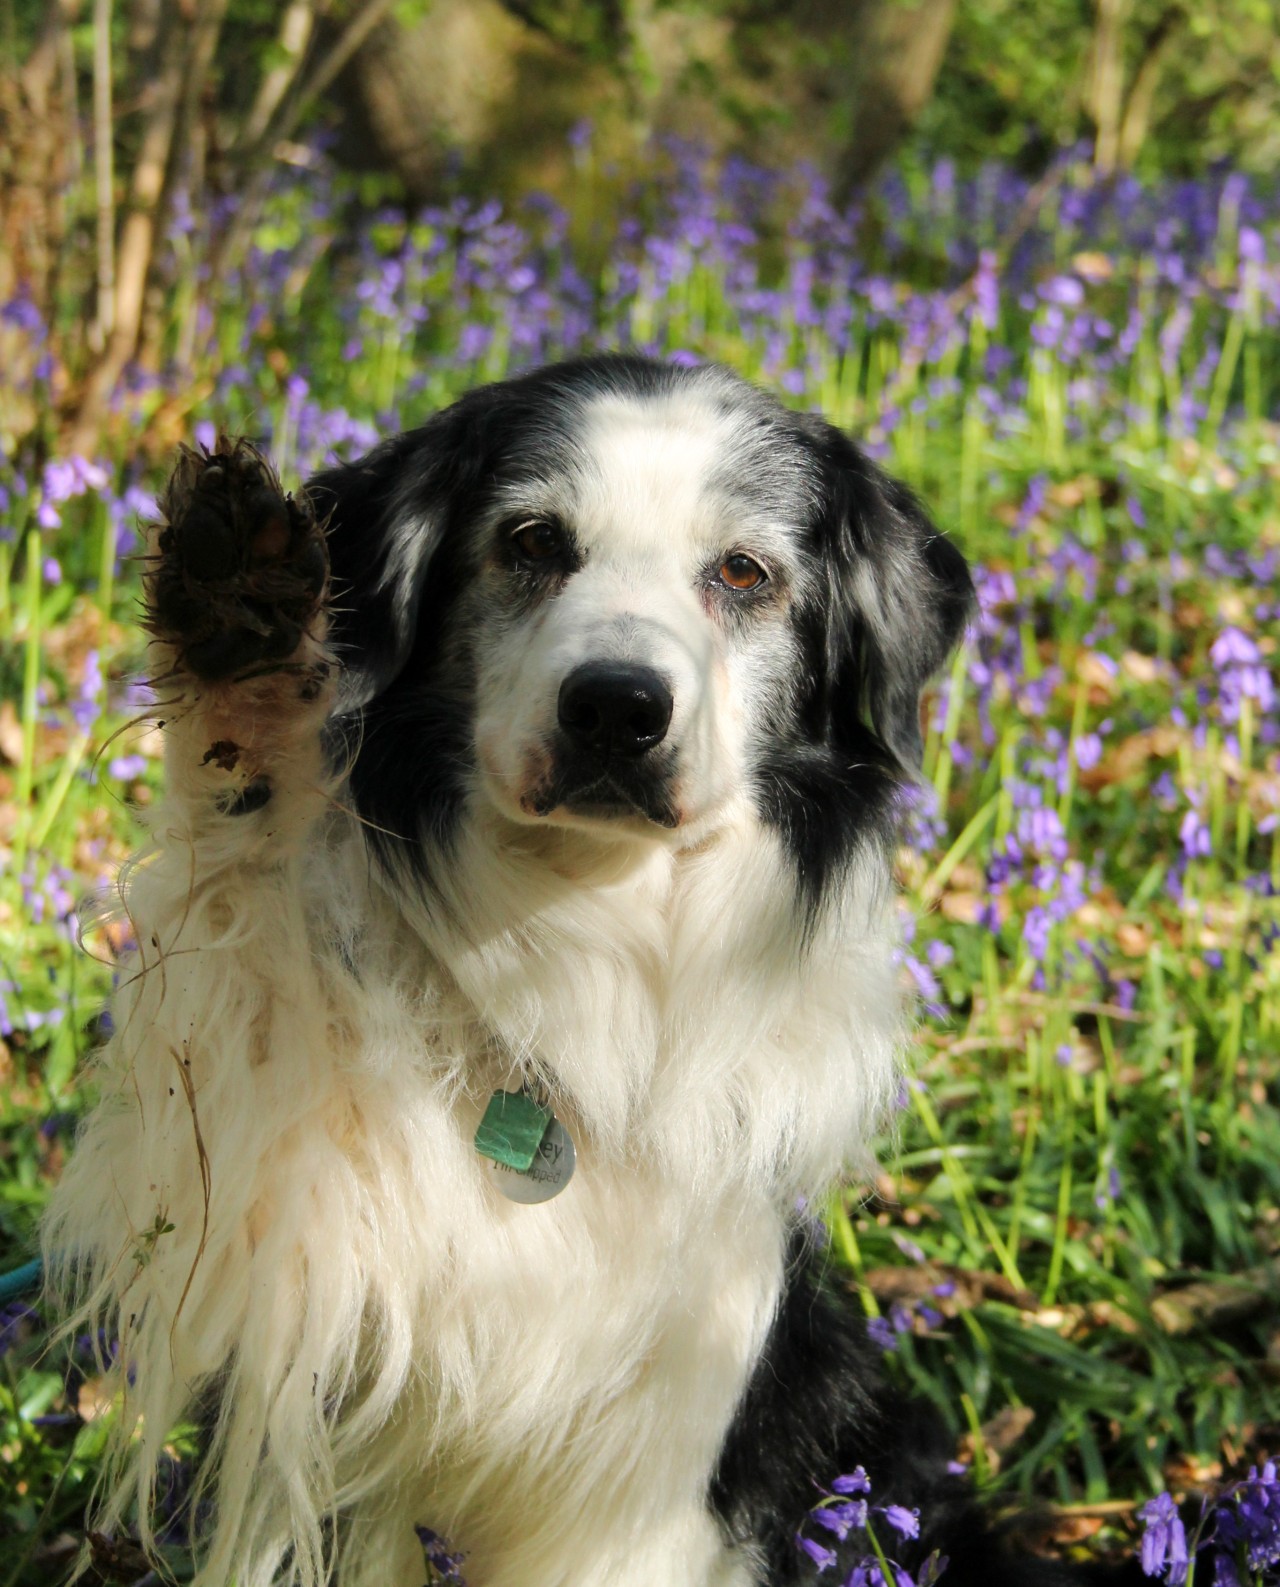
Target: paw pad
242 566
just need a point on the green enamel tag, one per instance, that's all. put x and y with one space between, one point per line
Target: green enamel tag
512 1129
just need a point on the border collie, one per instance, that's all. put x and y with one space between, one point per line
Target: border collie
515 961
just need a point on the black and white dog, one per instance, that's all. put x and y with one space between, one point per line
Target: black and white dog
532 785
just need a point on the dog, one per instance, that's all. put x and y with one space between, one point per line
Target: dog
515 967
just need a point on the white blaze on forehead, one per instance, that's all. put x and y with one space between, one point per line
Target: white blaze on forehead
647 483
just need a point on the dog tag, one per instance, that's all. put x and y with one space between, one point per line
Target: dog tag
548 1174
512 1129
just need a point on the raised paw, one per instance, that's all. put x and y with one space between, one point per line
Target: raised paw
240 567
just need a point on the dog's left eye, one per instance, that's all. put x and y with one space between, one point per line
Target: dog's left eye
538 541
741 572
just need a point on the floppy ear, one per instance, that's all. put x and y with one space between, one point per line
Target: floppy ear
900 601
386 516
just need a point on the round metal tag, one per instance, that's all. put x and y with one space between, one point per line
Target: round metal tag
550 1172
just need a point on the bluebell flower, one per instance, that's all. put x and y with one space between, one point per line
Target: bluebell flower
822 1556
840 1513
1250 1519
443 1565
842 1517
1164 1542
12 1318
905 1522
1194 836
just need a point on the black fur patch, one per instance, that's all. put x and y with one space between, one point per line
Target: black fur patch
891 606
255 795
818 1406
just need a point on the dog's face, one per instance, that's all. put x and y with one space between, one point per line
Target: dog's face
635 599
631 621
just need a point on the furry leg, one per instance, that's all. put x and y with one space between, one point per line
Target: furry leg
164 1232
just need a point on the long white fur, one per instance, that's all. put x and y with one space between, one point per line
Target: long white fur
388 1341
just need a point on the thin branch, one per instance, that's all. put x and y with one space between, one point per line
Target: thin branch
1211 1303
184 52
104 167
1136 118
353 36
297 26
254 160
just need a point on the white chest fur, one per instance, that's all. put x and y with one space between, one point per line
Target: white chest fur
297 1215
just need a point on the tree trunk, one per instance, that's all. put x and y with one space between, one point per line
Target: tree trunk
39 159
1107 89
493 86
897 49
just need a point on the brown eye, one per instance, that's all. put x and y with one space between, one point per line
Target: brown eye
741 572
538 541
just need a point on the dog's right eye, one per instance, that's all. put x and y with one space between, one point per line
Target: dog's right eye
538 541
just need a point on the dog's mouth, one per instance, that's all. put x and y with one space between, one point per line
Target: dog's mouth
592 790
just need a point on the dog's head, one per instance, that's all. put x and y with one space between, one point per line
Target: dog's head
636 599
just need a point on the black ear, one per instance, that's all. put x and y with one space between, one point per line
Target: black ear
900 599
386 516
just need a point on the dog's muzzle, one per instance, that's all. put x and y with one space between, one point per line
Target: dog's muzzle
613 719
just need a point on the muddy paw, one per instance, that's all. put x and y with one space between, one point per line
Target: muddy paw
240 568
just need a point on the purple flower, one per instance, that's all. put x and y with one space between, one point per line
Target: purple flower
1041 832
986 289
1064 290
444 1566
841 1518
12 1318
1194 836
1233 647
1249 1520
822 1556
1225 1573
842 1515
85 707
1037 929
905 1522
1164 1542
926 983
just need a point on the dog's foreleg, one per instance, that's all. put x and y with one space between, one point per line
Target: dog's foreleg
235 602
187 1221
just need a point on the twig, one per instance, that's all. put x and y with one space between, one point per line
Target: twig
1212 1301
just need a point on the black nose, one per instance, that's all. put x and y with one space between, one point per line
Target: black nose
610 708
